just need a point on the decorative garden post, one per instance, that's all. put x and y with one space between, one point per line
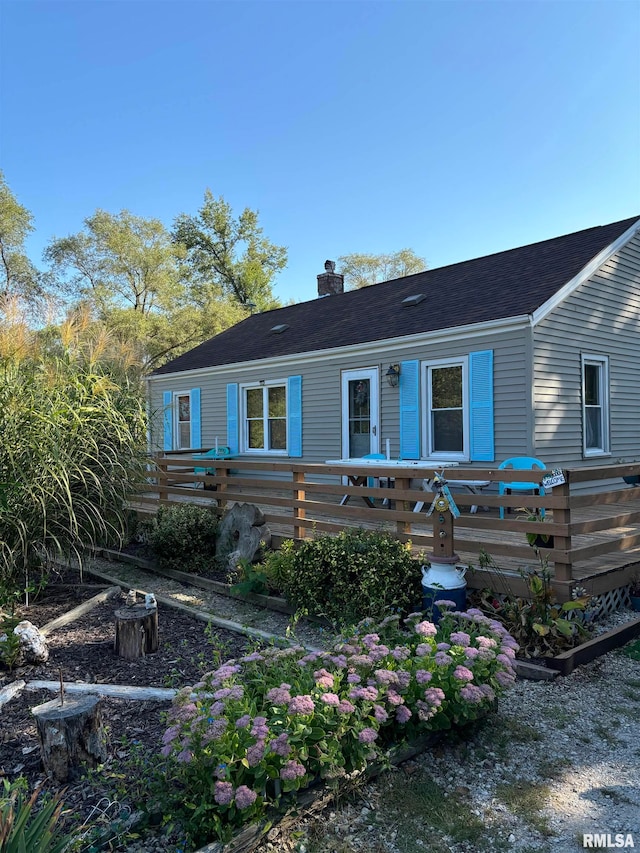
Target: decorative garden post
443 578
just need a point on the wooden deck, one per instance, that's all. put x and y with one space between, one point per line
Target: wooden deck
596 533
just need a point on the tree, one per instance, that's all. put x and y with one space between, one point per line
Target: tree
119 260
228 255
18 276
361 270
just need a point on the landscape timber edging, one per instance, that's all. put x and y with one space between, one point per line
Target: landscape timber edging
201 615
566 662
271 602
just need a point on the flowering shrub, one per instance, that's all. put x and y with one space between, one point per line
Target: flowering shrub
275 720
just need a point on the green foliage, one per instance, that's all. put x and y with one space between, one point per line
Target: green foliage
276 720
361 270
277 566
250 580
541 627
9 642
230 255
351 576
18 276
73 425
24 830
184 538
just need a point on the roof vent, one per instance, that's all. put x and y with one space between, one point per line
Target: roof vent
278 330
416 299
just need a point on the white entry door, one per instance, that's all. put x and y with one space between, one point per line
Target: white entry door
360 412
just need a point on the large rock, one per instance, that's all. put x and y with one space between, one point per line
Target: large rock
241 534
33 645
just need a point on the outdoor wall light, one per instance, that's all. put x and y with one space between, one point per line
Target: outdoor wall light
393 375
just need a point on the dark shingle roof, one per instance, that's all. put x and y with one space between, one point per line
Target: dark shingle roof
507 284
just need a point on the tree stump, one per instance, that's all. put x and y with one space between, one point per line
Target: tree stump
136 632
71 736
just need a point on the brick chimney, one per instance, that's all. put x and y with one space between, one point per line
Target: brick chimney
330 282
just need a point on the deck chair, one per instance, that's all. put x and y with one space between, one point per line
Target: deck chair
219 453
521 463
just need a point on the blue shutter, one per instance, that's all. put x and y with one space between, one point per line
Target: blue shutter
294 415
167 419
233 438
481 406
410 410
196 430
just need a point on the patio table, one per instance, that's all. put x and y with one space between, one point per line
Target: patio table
387 467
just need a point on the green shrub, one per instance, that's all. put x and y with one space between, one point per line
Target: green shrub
184 538
278 565
354 575
277 720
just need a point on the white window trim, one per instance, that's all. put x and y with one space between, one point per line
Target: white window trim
602 361
425 413
244 431
177 421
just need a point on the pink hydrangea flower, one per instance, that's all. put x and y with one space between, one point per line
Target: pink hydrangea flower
292 770
426 629
345 707
462 673
379 713
423 676
423 649
255 753
403 714
330 699
367 735
279 695
471 693
301 705
223 793
280 745
245 797
353 678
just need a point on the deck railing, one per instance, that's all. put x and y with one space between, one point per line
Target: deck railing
589 516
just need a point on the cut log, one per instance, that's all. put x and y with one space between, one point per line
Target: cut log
136 632
72 738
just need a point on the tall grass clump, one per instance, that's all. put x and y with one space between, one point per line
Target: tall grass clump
72 420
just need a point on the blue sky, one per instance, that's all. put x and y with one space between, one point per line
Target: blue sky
454 128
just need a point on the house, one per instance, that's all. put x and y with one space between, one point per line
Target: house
532 351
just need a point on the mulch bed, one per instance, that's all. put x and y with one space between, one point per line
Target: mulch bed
83 651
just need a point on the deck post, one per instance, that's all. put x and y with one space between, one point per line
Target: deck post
299 494
563 569
161 476
403 527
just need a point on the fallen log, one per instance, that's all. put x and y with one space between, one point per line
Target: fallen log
80 610
115 691
10 691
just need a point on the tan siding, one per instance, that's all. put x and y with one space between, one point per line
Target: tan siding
601 317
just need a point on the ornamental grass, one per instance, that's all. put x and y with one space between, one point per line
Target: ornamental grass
277 720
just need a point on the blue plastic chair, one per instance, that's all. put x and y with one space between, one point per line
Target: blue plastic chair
220 453
521 463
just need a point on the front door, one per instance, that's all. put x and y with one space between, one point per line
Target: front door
360 413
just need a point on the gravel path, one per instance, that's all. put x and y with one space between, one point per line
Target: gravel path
306 633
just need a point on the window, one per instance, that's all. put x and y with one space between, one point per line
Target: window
595 404
265 417
447 417
182 415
